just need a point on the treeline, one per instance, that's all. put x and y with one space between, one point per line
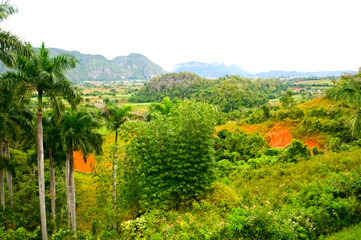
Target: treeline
229 93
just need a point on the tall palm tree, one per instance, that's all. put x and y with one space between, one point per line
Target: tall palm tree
10 44
46 76
51 144
116 116
348 91
77 132
13 118
2 184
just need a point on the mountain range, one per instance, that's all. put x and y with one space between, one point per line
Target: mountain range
98 68
137 66
216 70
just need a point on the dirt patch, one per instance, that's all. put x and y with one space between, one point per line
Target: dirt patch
279 136
312 143
80 165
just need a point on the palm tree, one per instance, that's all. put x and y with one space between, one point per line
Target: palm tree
13 118
77 132
46 76
116 116
2 184
51 143
10 44
348 91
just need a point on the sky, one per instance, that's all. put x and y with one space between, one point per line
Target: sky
258 35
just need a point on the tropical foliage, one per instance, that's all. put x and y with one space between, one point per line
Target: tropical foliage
199 162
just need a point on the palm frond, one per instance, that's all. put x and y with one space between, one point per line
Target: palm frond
6 9
11 42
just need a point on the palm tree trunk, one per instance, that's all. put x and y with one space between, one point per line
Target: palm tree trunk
2 184
115 165
8 174
40 158
71 190
52 183
67 188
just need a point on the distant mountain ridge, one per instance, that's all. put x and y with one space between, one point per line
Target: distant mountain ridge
209 70
98 68
216 70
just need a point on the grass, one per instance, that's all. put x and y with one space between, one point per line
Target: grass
85 199
280 181
350 233
312 82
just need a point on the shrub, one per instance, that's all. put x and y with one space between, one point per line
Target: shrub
294 152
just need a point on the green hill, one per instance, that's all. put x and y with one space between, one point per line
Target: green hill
98 68
229 93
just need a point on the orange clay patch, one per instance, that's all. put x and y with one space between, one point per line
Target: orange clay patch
312 143
279 137
80 165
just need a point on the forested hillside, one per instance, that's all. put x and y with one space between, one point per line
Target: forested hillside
229 93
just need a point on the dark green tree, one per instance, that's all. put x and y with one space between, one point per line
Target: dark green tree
287 101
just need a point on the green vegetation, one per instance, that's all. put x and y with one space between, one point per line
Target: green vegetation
229 94
201 159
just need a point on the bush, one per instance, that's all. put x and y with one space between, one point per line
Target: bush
335 144
19 234
294 152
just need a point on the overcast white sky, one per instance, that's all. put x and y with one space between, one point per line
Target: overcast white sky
259 35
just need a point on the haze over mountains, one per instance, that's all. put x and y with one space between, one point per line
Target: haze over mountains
137 66
216 70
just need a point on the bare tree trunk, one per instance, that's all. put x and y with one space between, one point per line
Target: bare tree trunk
71 190
2 184
67 187
8 174
40 157
114 190
52 183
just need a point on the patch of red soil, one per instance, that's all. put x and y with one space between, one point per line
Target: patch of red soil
279 137
312 143
80 165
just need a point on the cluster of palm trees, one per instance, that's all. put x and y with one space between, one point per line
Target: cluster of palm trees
37 73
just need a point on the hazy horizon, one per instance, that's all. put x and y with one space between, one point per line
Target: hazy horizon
257 35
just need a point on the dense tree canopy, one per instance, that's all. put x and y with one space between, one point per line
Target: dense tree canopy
230 93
